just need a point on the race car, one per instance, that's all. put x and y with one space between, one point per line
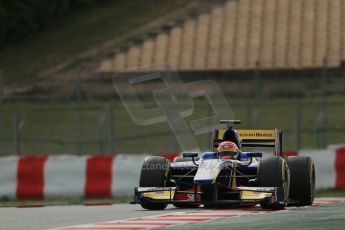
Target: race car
228 176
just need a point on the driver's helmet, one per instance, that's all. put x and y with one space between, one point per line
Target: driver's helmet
228 149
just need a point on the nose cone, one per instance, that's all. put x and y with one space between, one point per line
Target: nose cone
208 171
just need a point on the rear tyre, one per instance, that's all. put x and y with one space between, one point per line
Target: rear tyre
154 173
273 172
302 186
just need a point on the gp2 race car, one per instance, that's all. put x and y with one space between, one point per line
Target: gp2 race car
215 181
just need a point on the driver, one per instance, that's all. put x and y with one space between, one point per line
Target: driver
231 135
228 150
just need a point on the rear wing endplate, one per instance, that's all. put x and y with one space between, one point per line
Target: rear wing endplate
254 138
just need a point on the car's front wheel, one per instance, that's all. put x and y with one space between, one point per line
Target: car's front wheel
154 173
274 172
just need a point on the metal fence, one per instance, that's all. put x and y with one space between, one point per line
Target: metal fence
87 129
310 117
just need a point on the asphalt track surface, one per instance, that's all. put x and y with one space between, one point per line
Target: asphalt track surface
326 214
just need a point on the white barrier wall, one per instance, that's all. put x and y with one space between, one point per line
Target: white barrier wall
103 176
64 177
126 172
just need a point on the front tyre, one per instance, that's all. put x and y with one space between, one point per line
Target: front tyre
154 173
273 172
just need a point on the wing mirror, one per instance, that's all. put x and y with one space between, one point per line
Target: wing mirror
251 155
192 155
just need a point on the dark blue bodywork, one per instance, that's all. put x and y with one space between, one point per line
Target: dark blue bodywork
245 171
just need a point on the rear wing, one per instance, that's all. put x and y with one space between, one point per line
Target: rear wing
255 138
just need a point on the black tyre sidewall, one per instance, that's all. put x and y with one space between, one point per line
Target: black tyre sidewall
302 187
274 172
270 173
154 173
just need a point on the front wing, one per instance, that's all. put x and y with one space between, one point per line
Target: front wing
247 195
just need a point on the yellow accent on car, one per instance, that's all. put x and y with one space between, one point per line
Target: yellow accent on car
251 195
257 134
160 195
251 134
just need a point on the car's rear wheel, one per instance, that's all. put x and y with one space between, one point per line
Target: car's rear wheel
273 172
302 186
154 173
